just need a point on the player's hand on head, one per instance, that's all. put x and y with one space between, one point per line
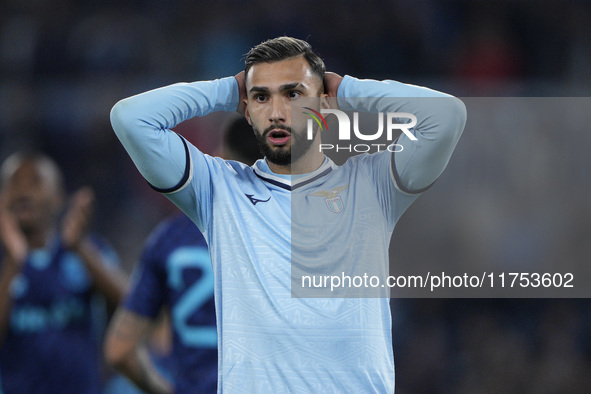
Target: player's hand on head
78 218
12 239
240 78
331 83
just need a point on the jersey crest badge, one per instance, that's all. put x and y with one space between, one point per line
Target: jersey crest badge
333 201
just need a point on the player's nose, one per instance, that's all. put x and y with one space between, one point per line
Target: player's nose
279 111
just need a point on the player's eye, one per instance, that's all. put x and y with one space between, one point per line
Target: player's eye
261 98
294 94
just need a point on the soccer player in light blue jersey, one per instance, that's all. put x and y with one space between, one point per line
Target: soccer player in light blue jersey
52 273
269 341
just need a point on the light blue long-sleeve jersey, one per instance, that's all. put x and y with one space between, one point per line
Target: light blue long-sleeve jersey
262 228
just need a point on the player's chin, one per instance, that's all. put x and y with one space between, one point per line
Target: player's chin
275 147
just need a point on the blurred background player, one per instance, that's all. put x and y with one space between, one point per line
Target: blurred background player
50 274
175 271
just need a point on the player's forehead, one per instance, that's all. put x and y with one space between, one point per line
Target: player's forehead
35 170
282 72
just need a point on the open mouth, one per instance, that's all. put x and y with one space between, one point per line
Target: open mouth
278 137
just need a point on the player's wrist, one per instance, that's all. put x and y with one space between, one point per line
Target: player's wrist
240 80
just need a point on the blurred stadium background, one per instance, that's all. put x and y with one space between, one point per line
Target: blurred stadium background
64 63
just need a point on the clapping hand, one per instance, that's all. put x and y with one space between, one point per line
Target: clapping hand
78 218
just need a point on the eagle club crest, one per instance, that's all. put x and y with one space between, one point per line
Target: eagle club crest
333 201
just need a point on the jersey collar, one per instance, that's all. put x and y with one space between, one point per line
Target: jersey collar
291 182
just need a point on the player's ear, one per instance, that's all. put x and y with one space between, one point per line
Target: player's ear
323 97
327 102
246 112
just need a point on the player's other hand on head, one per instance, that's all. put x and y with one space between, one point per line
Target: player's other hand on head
12 239
78 218
331 83
242 92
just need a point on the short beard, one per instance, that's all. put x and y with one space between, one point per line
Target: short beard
280 156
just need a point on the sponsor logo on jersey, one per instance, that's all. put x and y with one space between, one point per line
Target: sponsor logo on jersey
254 200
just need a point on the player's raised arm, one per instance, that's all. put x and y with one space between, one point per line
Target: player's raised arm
440 122
143 122
107 279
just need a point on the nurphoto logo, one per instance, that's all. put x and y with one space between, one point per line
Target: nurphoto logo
392 120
